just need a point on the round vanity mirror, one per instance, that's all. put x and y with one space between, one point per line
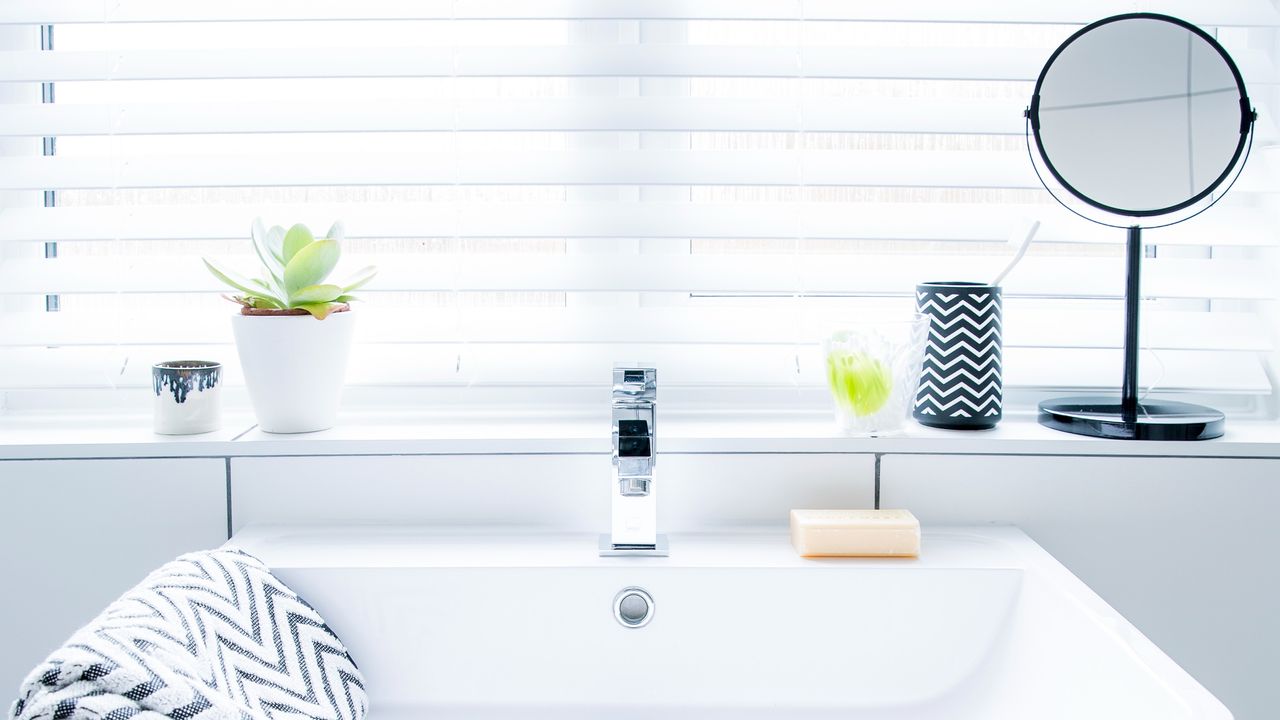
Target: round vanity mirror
1144 117
1140 115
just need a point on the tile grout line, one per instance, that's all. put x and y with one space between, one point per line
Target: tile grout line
562 452
523 453
878 458
227 460
247 430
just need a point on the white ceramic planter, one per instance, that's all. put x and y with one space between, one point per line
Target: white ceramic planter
294 366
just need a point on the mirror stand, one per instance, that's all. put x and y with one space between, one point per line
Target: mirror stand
1147 118
1130 417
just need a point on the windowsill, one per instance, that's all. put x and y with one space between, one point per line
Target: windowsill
59 436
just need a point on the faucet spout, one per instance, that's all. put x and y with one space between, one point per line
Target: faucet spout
634 404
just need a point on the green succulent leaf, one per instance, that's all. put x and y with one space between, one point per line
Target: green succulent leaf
233 279
269 257
275 242
269 291
262 303
337 231
296 266
319 311
298 237
310 265
316 294
270 241
360 279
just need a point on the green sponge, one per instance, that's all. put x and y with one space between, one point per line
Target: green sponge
860 383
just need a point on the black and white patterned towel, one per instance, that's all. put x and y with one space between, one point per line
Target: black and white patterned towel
210 636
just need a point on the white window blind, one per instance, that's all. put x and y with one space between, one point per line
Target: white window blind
552 185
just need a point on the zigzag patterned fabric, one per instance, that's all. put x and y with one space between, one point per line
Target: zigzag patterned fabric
960 384
210 636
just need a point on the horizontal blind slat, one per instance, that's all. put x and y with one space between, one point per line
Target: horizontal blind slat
896 115
871 168
730 366
1228 225
625 167
644 114
1025 325
515 61
1240 13
928 63
1085 277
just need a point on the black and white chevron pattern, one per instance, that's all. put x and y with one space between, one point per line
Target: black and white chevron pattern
210 636
960 382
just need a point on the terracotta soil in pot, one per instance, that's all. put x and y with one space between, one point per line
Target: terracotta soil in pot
272 312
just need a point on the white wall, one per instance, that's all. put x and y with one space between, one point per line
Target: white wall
78 533
565 492
1185 548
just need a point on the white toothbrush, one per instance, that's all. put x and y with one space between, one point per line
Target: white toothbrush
1030 232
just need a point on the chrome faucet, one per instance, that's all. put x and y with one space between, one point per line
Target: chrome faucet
635 508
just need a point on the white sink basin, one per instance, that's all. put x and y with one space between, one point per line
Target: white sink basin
985 625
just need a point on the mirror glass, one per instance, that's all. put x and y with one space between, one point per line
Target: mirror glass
1140 115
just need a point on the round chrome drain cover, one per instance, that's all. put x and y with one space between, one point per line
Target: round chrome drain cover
633 607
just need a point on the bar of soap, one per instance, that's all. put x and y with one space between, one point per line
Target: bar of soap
855 533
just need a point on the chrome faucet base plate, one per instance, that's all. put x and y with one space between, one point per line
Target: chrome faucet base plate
659 549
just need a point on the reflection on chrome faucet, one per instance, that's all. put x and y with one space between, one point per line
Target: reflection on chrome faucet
635 415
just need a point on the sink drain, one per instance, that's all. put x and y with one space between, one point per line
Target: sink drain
633 607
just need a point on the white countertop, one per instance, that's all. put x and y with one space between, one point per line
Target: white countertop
62 435
413 546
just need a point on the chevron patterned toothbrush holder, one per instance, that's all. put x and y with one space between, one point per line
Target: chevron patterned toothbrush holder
960 382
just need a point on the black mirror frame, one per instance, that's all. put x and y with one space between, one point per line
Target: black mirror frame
1247 115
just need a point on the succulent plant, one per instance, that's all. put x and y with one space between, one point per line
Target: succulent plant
296 265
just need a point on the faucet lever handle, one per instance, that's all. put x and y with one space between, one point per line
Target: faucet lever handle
634 439
635 384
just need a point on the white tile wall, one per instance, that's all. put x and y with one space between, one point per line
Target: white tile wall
1187 549
564 492
77 533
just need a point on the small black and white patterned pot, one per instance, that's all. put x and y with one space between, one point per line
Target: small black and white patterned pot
961 384
188 396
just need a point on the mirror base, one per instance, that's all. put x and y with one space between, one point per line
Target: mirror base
1156 419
